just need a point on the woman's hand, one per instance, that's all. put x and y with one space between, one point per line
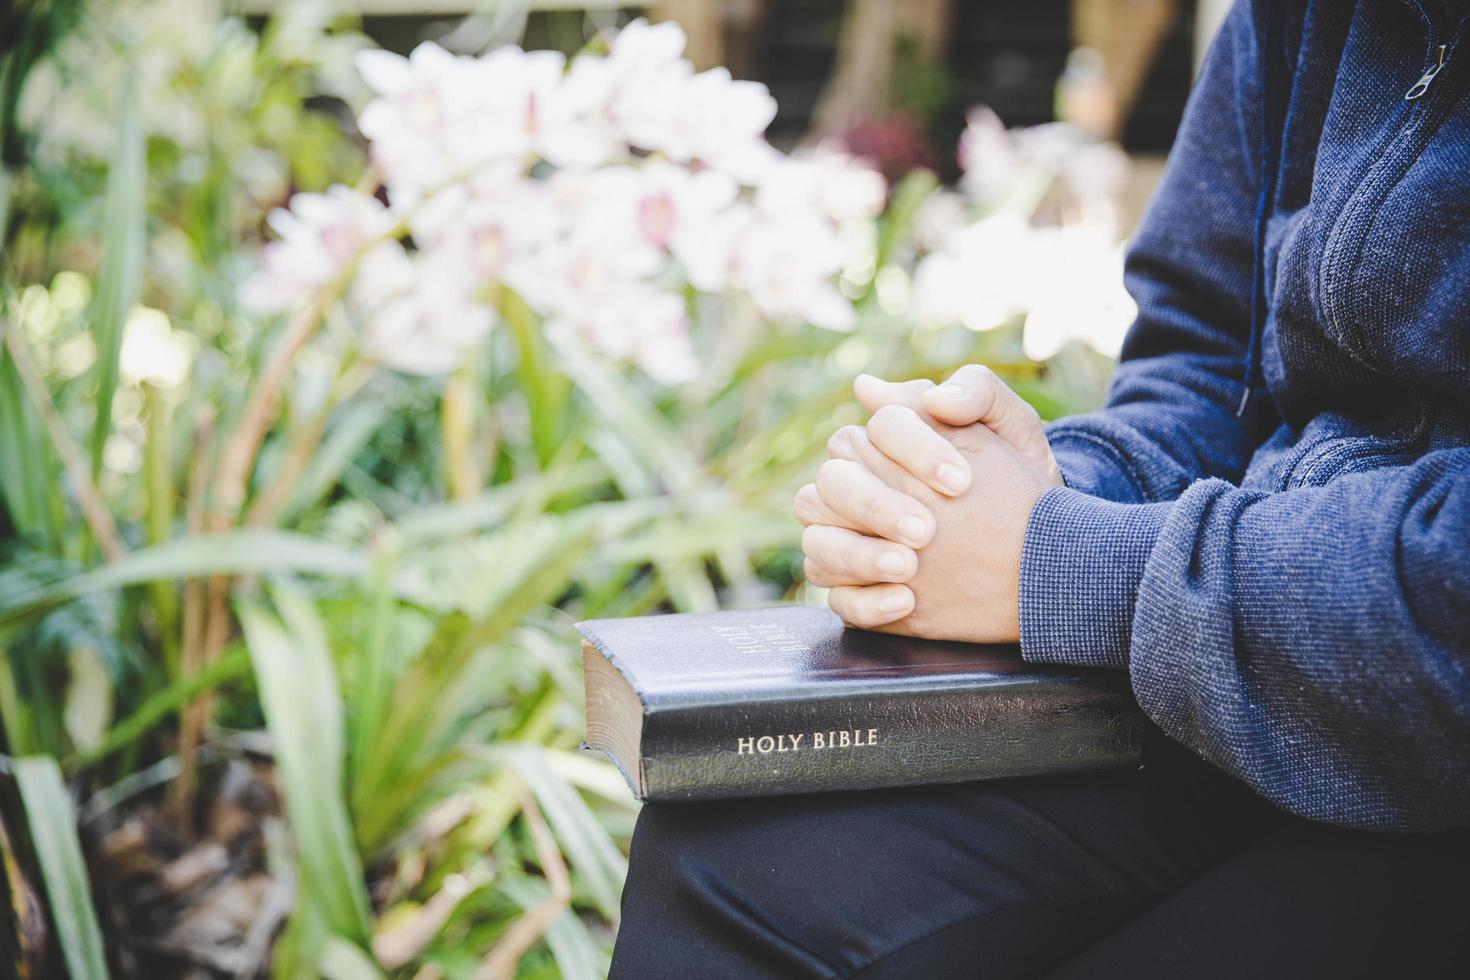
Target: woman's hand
916 522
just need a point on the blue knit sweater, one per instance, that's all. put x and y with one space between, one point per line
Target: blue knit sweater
1287 580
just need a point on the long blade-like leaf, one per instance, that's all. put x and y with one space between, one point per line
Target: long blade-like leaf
540 561
303 709
343 960
578 956
119 280
53 831
26 466
458 518
163 703
646 433
249 551
594 856
341 447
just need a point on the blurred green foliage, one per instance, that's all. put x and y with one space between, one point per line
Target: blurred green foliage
391 594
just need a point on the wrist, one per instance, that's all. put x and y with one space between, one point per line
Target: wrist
1081 561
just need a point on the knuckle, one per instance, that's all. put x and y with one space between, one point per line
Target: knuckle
829 470
979 376
908 565
811 541
890 418
862 610
808 503
870 508
800 505
919 385
840 443
829 548
840 601
831 478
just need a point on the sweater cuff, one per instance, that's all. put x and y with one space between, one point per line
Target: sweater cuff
1081 564
1083 470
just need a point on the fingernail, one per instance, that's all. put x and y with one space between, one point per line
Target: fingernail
953 391
912 529
896 603
892 563
952 478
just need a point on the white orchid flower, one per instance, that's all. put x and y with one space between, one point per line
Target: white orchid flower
787 266
320 235
1077 288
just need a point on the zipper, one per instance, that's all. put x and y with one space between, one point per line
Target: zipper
1417 90
1415 127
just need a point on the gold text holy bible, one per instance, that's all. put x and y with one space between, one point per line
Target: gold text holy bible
786 700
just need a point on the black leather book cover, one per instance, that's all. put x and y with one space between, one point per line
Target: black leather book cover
786 700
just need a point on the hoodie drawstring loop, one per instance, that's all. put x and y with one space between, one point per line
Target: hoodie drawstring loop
1272 35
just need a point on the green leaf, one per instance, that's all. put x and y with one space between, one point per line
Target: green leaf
595 775
343 960
908 197
303 710
578 956
343 443
16 715
600 866
163 703
455 519
119 280
373 690
624 411
26 465
681 539
53 832
412 747
249 551
547 390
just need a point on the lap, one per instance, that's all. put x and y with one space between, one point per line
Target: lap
1306 901
1015 874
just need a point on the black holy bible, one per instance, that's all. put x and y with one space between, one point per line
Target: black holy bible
786 700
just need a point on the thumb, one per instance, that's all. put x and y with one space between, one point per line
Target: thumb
975 394
874 393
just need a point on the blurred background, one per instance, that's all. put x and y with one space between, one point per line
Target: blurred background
354 350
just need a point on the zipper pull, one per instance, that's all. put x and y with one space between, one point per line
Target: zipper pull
1426 79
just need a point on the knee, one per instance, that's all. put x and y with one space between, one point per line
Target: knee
703 897
676 845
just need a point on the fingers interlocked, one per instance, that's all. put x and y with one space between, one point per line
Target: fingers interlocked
864 525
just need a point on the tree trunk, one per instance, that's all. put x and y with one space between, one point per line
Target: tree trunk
703 21
862 80
1127 33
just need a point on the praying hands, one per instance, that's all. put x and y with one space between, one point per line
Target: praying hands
916 522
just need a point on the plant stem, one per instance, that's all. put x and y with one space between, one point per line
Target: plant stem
372 691
267 505
94 509
503 959
457 421
159 482
14 716
191 724
238 458
156 708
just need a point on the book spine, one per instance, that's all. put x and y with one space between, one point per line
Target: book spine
867 741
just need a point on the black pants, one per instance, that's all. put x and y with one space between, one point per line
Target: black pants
1172 870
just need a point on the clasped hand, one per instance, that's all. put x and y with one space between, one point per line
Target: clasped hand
916 521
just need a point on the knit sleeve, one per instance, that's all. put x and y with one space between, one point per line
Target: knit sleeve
1171 413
